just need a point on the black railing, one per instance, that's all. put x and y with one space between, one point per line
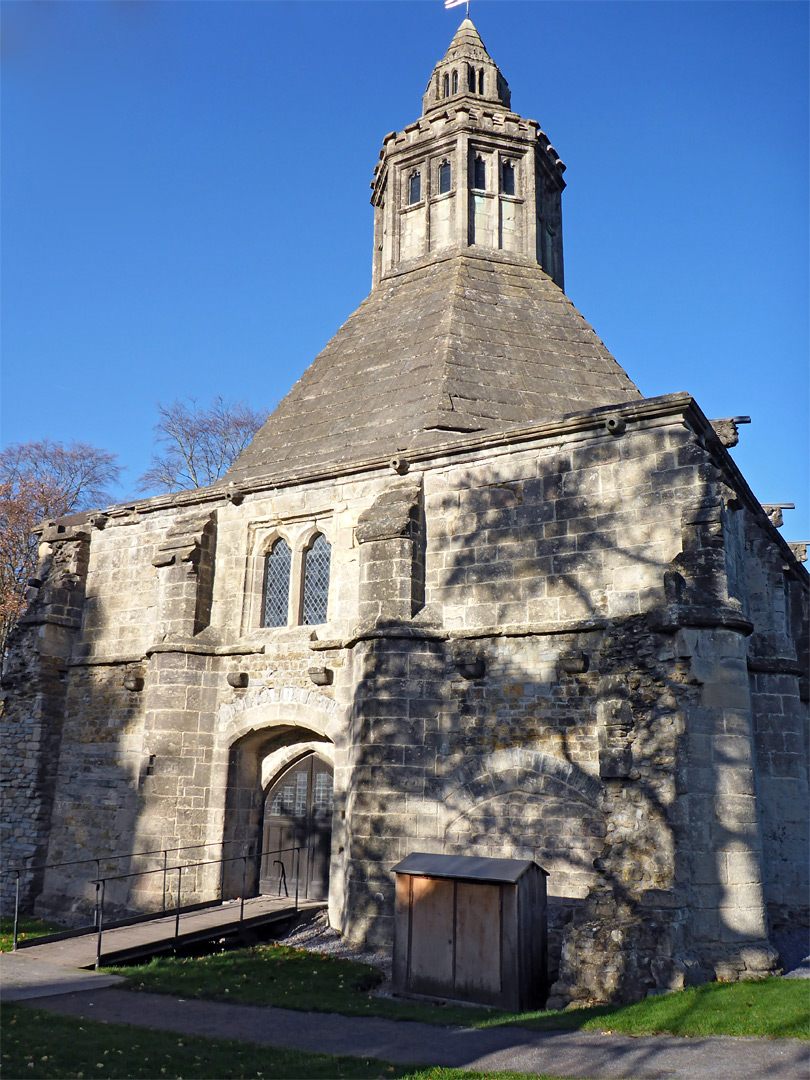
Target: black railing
97 862
101 885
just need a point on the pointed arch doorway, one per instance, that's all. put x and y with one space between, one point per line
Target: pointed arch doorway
297 813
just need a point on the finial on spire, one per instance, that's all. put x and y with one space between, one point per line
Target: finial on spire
467 70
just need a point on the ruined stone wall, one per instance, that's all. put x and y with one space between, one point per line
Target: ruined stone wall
33 705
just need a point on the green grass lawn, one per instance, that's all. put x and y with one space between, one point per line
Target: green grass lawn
38 1044
295 979
27 928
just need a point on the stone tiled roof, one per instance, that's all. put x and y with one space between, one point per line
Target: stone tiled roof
469 342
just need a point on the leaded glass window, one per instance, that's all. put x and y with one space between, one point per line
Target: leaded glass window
322 796
414 188
480 174
277 584
508 178
316 581
445 177
455 82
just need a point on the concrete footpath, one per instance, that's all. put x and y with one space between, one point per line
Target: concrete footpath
565 1054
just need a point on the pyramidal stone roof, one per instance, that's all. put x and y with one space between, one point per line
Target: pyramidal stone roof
465 339
472 342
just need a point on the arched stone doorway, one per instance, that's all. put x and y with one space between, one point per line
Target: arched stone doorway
257 762
296 830
262 734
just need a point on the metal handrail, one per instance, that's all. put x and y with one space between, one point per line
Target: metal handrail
113 858
101 886
165 852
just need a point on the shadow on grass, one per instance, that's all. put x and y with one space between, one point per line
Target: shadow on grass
293 979
44 1046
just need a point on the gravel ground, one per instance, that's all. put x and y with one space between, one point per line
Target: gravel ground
316 935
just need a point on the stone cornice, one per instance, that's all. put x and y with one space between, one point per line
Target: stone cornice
589 424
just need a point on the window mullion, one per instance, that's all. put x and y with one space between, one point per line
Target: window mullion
296 587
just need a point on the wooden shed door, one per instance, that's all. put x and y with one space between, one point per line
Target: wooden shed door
298 813
456 939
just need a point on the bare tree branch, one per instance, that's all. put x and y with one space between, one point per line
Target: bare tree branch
196 446
40 480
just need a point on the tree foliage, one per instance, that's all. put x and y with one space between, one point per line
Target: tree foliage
40 480
196 446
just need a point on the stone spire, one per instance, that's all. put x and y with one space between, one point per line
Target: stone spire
467 71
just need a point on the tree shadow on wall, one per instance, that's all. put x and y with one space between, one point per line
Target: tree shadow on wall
571 747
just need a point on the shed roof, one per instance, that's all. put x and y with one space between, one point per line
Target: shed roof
465 867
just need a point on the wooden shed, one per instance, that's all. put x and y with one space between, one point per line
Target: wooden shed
471 929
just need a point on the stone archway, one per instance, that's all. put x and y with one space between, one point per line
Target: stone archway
263 733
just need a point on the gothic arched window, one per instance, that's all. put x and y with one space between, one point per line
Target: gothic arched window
480 174
445 177
446 86
317 558
277 585
455 82
508 178
471 79
480 80
414 187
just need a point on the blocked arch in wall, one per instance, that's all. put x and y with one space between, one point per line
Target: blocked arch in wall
548 808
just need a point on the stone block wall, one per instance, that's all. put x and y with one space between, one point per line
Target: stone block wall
34 687
572 648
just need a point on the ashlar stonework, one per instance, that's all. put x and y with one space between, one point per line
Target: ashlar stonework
559 625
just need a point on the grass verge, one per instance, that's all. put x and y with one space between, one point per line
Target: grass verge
295 979
39 1044
27 928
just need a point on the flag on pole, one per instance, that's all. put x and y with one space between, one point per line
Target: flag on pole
453 3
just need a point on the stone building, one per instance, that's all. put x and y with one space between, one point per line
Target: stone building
466 591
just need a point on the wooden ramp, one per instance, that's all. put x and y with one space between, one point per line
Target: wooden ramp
163 934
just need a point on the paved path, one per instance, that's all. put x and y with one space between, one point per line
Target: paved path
569 1053
23 977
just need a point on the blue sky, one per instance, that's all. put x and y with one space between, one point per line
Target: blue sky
185 198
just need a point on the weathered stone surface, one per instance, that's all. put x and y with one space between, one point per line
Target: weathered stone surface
568 632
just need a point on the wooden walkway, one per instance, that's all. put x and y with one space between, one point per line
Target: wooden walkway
154 936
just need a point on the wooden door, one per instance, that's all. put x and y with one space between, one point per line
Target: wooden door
298 814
